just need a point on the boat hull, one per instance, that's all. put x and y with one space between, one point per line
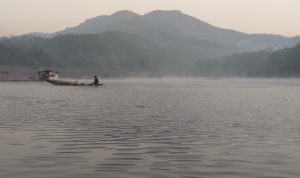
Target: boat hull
71 83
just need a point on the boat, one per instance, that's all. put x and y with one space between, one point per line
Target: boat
71 83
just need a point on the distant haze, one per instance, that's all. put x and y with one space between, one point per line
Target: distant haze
250 16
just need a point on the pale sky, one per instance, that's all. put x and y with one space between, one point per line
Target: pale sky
250 16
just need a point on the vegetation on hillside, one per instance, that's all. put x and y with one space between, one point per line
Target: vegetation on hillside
111 53
265 63
123 54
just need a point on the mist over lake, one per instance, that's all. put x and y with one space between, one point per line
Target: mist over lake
187 128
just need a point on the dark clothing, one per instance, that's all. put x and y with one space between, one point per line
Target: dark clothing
96 81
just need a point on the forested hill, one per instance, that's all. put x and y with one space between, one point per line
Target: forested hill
123 54
109 53
265 63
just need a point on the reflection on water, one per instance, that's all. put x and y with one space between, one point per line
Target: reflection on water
189 128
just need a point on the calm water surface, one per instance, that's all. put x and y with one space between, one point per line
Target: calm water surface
170 128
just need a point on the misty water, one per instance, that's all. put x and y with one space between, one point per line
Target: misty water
149 128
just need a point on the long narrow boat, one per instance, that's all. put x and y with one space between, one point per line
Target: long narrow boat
71 83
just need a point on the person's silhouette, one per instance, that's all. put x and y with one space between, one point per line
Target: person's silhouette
96 81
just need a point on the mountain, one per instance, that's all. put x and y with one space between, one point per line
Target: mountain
92 26
174 27
129 44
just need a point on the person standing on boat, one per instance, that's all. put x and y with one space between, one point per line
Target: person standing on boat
96 81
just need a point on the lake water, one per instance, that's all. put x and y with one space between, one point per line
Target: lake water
149 128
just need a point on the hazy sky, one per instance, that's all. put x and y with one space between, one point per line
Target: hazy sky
251 16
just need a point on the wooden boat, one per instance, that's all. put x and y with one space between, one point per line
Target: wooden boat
71 83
